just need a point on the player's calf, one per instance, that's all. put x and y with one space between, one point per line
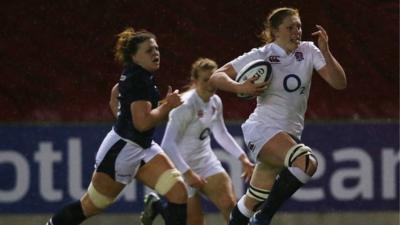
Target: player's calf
171 186
289 180
71 214
241 213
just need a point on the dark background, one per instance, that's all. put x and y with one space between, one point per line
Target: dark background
57 59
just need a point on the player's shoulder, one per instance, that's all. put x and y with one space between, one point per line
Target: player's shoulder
215 98
258 50
267 50
185 110
262 50
188 97
305 45
254 54
134 73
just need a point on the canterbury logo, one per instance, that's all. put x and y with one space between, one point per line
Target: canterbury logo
274 59
251 146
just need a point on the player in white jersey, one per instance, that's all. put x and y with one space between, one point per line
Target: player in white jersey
273 130
187 142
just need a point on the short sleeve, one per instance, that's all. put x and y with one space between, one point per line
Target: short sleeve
134 88
318 59
245 59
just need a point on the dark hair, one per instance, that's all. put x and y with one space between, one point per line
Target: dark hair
273 20
128 42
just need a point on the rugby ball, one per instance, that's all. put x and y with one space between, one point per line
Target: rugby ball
258 68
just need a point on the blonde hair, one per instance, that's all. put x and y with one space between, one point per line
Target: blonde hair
273 20
201 64
128 42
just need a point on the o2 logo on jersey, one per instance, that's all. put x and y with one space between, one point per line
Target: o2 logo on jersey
205 133
292 83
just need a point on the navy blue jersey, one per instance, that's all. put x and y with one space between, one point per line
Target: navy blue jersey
135 84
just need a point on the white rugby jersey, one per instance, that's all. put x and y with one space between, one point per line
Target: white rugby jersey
187 135
284 103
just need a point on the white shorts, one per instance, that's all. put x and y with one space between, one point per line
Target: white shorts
256 135
121 158
205 166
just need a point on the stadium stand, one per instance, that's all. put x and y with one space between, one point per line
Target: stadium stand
57 60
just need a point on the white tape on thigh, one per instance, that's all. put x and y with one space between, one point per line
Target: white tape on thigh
167 180
99 200
296 151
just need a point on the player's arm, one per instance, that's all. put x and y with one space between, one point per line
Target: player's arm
332 72
175 127
225 139
179 118
114 100
144 117
224 79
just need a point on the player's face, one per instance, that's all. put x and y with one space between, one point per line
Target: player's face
202 81
148 55
288 34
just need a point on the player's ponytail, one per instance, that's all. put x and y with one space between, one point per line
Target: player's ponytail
273 20
127 44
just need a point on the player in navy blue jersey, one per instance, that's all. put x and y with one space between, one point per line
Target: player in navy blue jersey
128 151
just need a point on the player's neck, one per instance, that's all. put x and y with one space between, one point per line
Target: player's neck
285 47
204 95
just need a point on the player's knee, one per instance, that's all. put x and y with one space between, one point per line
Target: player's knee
313 165
90 210
301 156
178 193
95 202
226 202
195 218
171 185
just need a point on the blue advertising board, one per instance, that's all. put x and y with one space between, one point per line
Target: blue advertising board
45 167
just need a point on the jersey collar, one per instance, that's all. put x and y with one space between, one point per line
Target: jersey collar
281 52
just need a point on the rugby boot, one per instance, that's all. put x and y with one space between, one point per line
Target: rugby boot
149 212
254 221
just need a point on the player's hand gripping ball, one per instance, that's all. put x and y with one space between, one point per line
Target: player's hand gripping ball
258 68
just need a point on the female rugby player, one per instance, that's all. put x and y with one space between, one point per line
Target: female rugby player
128 151
273 130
